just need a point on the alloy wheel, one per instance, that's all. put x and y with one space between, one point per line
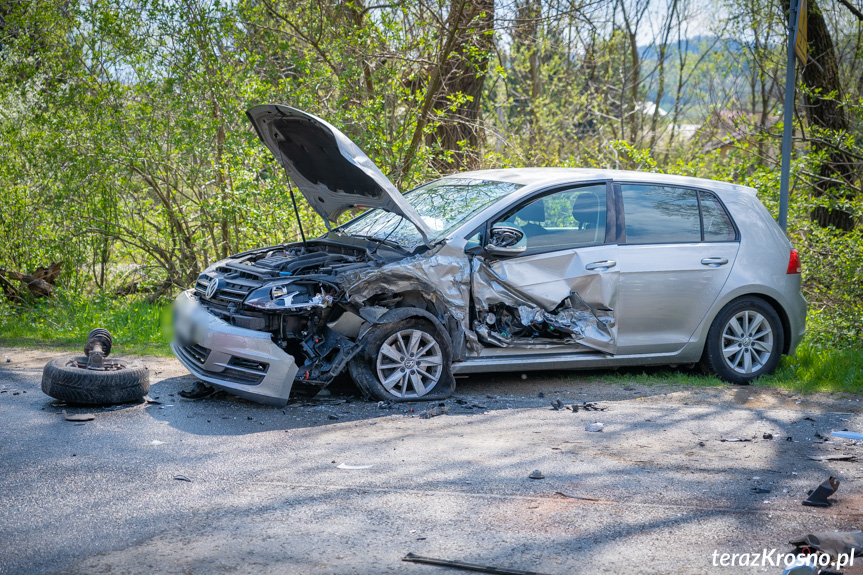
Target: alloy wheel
409 363
747 342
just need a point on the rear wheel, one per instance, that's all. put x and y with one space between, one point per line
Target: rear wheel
403 361
744 342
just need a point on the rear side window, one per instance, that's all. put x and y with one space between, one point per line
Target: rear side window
717 224
665 214
660 214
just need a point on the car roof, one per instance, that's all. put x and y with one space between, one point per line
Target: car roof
539 177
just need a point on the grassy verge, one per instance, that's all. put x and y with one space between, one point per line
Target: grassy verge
64 323
812 368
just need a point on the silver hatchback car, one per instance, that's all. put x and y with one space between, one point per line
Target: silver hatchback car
489 271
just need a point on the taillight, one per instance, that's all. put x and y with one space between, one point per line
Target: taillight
794 262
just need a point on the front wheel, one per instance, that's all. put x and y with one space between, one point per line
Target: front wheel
744 342
406 360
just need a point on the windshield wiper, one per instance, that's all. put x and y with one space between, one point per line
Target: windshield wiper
384 241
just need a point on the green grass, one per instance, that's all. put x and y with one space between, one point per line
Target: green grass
813 368
818 368
63 322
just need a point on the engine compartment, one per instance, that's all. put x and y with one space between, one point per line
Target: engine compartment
296 292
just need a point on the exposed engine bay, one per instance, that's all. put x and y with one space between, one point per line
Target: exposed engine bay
294 292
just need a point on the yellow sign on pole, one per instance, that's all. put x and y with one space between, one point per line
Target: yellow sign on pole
801 44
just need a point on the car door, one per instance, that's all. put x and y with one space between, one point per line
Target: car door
675 254
562 288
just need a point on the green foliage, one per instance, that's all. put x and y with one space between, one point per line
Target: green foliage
127 155
66 320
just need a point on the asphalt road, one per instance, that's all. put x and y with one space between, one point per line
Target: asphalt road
660 490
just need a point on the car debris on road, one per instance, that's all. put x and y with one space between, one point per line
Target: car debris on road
818 497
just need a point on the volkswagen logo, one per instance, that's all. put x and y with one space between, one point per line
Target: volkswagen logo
215 285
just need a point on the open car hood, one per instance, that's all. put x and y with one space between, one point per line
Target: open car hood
330 170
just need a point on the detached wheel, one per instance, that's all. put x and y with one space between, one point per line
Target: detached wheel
744 342
118 382
407 360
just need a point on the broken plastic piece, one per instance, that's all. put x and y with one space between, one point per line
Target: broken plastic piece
818 496
434 412
536 474
466 566
767 436
847 434
200 391
840 457
156 442
557 404
733 439
349 466
570 496
79 416
182 478
595 427
833 544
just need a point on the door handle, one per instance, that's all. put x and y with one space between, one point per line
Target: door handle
714 262
601 266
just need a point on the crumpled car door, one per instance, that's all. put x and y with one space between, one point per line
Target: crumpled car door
557 292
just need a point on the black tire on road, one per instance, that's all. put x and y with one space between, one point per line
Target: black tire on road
745 341
66 380
377 374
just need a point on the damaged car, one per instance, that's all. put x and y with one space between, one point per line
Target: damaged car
489 271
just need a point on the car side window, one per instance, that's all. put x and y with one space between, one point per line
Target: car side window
660 214
566 219
717 224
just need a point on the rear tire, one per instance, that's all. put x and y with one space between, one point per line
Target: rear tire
122 382
745 341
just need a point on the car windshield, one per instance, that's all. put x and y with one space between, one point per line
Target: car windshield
443 205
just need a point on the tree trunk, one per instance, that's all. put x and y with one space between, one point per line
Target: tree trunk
823 101
462 77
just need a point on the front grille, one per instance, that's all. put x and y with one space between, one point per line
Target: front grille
232 292
237 370
197 352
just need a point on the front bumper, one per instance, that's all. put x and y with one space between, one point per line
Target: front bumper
240 361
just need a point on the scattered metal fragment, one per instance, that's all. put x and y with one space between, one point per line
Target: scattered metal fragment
760 490
333 417
350 466
840 457
734 439
586 406
434 412
570 496
466 566
536 474
818 496
182 478
767 436
385 405
847 434
149 399
595 427
78 416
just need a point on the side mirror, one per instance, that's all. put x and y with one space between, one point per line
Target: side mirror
506 240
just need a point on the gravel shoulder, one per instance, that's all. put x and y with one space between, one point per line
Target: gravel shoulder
657 491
